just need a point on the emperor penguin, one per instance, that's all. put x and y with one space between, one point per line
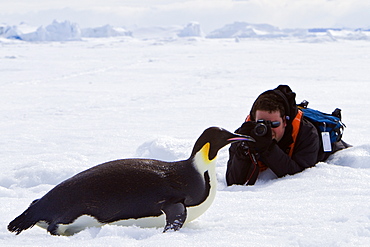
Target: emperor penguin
142 192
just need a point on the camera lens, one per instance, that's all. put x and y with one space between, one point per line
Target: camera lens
260 129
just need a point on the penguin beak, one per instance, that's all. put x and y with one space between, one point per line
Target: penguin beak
239 138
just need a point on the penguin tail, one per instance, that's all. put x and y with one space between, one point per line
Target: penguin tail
23 222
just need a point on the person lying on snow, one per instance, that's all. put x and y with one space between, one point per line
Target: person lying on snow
286 142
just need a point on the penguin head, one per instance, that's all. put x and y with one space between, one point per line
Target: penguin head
213 139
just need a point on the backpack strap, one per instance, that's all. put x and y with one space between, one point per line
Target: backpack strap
296 126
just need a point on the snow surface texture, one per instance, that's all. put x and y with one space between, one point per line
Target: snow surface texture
67 106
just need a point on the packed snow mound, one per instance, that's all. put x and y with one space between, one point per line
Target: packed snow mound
355 157
39 170
165 148
193 29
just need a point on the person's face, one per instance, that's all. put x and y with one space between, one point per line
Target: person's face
278 132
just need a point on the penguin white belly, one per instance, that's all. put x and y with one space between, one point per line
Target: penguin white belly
81 223
86 221
155 221
203 164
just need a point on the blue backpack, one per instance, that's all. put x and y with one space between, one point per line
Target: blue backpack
325 123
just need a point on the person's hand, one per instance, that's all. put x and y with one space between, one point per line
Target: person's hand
247 128
262 142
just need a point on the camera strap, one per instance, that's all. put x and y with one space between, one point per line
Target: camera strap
253 172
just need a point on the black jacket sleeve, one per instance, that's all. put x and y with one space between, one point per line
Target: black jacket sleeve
304 154
240 168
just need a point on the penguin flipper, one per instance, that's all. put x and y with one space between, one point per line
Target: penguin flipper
175 216
24 221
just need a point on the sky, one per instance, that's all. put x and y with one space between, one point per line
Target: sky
211 14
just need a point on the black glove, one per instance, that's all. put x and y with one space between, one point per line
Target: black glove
246 128
262 142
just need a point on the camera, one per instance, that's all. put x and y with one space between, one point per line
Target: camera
262 126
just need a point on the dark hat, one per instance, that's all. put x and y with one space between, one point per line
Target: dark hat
287 97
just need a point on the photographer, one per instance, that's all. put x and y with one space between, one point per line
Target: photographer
274 122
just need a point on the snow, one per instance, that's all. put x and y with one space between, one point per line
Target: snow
67 106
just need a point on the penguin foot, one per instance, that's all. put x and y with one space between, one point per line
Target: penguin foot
175 216
53 229
175 226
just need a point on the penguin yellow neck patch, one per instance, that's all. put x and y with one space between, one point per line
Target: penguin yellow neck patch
205 153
